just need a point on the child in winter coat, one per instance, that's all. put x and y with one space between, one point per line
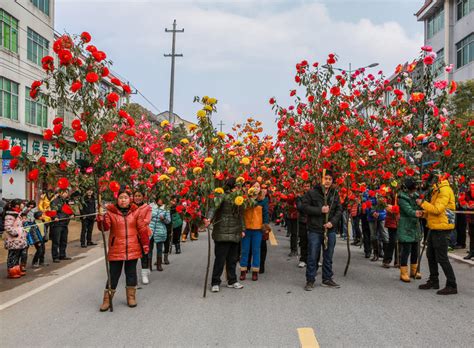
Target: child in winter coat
160 217
14 239
128 237
36 237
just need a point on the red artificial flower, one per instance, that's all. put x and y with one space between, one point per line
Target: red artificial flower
272 101
47 134
428 60
92 77
122 113
116 81
63 183
99 55
4 144
36 84
76 124
135 164
127 89
75 86
80 136
179 209
109 136
149 167
131 121
57 128
65 57
105 71
63 165
48 63
33 93
66 208
51 213
130 155
131 132
96 148
432 146
113 97
417 96
452 87
114 186
15 151
13 163
335 90
33 174
448 152
42 160
395 209
91 48
58 120
304 175
292 93
343 105
86 37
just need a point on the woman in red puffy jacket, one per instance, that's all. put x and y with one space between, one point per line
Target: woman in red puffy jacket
128 236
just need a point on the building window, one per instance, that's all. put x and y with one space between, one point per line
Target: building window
8 99
464 7
37 47
8 32
465 51
36 112
43 5
438 65
435 23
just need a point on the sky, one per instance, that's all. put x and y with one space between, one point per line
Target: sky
240 52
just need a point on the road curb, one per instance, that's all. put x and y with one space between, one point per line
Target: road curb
460 259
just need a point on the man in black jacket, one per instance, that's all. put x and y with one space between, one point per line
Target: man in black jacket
323 210
87 223
59 226
303 231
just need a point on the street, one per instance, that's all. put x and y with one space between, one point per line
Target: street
371 309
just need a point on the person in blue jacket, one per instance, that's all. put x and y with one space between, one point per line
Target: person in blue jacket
378 231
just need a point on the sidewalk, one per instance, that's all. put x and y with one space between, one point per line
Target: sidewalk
73 249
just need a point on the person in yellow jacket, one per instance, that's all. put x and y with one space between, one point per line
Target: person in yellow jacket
44 205
439 215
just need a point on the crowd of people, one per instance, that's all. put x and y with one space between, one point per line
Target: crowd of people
393 233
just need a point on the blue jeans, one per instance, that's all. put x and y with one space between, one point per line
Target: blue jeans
252 239
315 242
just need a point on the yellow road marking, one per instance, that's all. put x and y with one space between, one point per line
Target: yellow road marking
307 338
272 238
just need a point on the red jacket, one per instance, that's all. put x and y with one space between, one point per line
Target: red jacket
128 233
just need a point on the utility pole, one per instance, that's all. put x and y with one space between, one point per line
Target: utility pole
220 124
172 55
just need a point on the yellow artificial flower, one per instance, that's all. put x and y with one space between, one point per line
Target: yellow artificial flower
212 101
190 149
205 98
207 107
168 150
164 123
184 141
239 200
394 183
208 160
240 180
221 135
164 177
237 143
197 170
251 191
201 114
192 127
219 190
245 161
171 170
166 136
232 153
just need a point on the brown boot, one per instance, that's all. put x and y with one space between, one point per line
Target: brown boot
166 261
106 301
254 276
159 261
14 272
243 275
404 274
131 300
413 273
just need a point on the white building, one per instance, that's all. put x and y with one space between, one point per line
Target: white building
26 36
449 29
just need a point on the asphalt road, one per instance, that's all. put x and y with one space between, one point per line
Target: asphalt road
371 309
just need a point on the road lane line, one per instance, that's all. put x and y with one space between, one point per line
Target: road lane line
307 338
47 285
273 240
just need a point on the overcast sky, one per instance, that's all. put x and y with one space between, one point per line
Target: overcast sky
241 52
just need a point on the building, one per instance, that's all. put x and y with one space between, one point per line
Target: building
165 115
449 29
26 36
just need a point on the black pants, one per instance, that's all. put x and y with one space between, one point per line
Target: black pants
169 232
408 249
226 253
390 247
263 255
87 225
471 236
13 258
39 254
437 252
461 225
303 235
177 234
58 236
366 234
356 228
293 230
116 271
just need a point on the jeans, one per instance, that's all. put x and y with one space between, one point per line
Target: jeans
378 232
315 242
408 249
58 237
303 234
437 252
293 231
356 228
39 254
390 247
87 225
252 239
226 253
116 271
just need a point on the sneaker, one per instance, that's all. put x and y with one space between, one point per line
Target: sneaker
309 286
447 291
65 258
320 264
56 260
236 285
429 285
215 288
302 264
83 246
91 243
331 284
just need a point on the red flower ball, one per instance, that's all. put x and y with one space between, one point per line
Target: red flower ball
96 149
4 144
113 97
109 136
66 208
114 186
15 151
33 174
80 136
75 86
63 183
76 124
92 77
86 37
13 163
48 134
